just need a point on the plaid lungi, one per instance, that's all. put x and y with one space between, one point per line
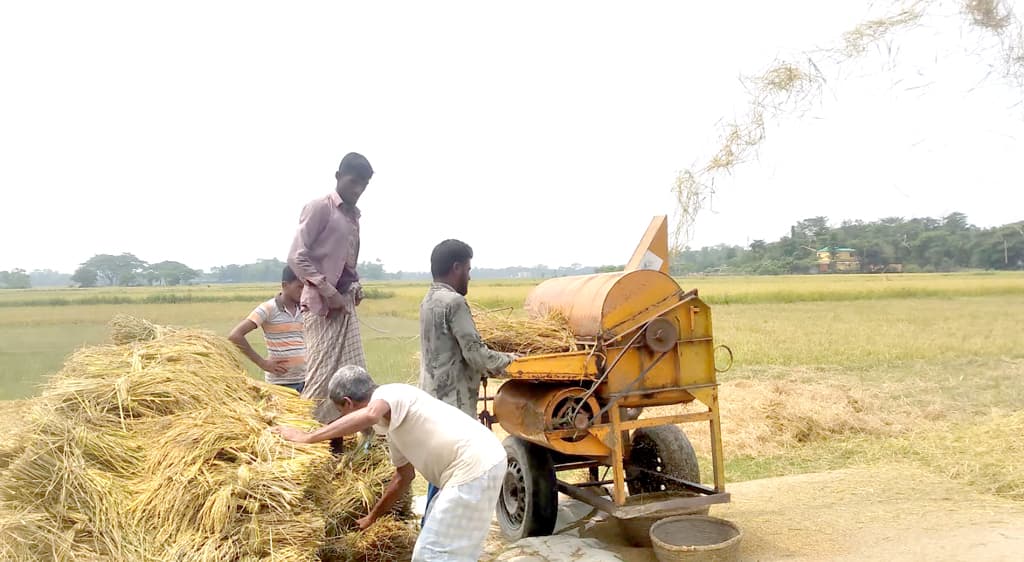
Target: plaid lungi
459 519
331 343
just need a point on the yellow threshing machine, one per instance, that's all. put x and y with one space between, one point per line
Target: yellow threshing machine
641 341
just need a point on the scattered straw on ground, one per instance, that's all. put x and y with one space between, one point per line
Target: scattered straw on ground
771 417
988 454
502 331
767 417
157 449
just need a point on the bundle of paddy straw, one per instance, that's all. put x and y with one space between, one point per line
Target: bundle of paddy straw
157 449
521 335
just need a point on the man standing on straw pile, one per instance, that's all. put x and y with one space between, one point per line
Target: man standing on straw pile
453 359
281 321
324 255
424 434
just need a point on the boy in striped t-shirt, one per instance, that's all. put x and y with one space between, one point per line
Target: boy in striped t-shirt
281 321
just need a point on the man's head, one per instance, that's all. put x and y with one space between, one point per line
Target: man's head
450 264
350 389
353 174
291 285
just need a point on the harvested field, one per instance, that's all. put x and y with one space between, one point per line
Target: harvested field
877 379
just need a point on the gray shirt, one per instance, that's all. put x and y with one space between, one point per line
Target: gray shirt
452 358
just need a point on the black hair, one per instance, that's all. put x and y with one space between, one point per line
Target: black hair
287 275
356 165
446 255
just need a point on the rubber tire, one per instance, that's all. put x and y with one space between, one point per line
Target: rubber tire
664 449
531 467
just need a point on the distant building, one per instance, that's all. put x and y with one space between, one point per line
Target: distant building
838 260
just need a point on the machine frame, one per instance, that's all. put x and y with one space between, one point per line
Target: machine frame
642 342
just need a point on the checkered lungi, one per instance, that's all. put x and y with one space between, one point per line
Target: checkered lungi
331 343
459 519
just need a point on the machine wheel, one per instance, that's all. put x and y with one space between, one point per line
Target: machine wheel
663 449
528 504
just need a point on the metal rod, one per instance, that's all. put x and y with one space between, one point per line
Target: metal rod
692 486
576 465
595 483
618 454
634 424
664 508
717 459
666 389
629 386
586 496
604 376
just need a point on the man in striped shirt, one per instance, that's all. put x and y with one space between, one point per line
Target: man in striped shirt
281 320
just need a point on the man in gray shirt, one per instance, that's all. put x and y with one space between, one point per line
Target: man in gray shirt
453 359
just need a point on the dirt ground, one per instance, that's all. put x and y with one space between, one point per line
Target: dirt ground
893 513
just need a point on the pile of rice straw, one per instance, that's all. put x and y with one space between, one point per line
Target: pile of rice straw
502 331
157 448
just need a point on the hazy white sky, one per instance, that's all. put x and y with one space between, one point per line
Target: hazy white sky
539 132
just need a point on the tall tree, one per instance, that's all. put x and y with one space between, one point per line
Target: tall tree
116 270
15 279
85 277
170 273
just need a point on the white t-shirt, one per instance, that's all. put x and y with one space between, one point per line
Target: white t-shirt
445 445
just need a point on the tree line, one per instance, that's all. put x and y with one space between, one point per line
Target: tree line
926 244
128 270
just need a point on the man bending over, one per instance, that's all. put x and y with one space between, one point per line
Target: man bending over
458 455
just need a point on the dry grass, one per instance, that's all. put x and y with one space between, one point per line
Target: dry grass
788 87
762 418
810 423
158 449
998 18
387 539
987 454
12 413
785 87
128 329
502 331
857 40
989 14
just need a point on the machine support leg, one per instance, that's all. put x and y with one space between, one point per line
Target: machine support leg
618 450
716 444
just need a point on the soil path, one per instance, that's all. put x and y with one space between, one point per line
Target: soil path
893 513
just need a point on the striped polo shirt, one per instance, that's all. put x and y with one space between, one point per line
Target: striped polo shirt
282 330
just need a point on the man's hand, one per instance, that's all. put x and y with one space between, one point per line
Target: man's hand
339 304
364 522
511 357
291 434
276 366
357 293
